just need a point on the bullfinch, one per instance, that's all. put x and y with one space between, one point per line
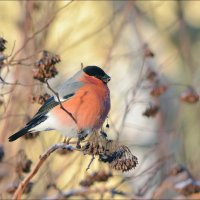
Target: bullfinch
80 106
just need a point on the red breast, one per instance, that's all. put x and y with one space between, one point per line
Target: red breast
89 106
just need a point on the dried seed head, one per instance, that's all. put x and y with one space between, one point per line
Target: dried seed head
40 99
189 96
23 164
151 111
46 66
101 176
95 146
26 166
151 75
118 157
158 90
109 151
122 159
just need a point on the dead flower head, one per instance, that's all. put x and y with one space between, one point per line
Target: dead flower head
23 164
40 99
151 75
119 157
189 96
95 145
100 176
158 90
151 111
46 66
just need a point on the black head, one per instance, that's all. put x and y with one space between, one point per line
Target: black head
97 72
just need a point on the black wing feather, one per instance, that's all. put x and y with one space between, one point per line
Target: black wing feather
39 117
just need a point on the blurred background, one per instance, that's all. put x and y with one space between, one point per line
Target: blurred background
151 51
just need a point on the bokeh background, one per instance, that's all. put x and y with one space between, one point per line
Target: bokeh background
116 36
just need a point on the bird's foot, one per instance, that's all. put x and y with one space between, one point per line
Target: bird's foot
66 140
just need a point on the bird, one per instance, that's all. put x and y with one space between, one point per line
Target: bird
78 107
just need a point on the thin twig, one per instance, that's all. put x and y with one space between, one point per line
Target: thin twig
38 31
21 187
91 161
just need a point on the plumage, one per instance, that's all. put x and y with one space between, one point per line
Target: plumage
86 98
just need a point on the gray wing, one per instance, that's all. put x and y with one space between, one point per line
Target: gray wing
65 92
69 87
66 89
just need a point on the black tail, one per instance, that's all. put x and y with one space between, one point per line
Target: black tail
34 122
19 134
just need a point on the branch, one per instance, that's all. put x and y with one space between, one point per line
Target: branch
21 187
39 31
91 161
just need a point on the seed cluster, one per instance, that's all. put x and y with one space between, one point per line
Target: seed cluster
126 161
23 164
40 99
119 157
151 111
158 90
151 75
189 96
100 176
46 66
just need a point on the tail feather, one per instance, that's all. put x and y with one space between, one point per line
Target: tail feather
18 134
33 123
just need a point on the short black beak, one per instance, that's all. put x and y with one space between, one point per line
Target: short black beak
106 78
